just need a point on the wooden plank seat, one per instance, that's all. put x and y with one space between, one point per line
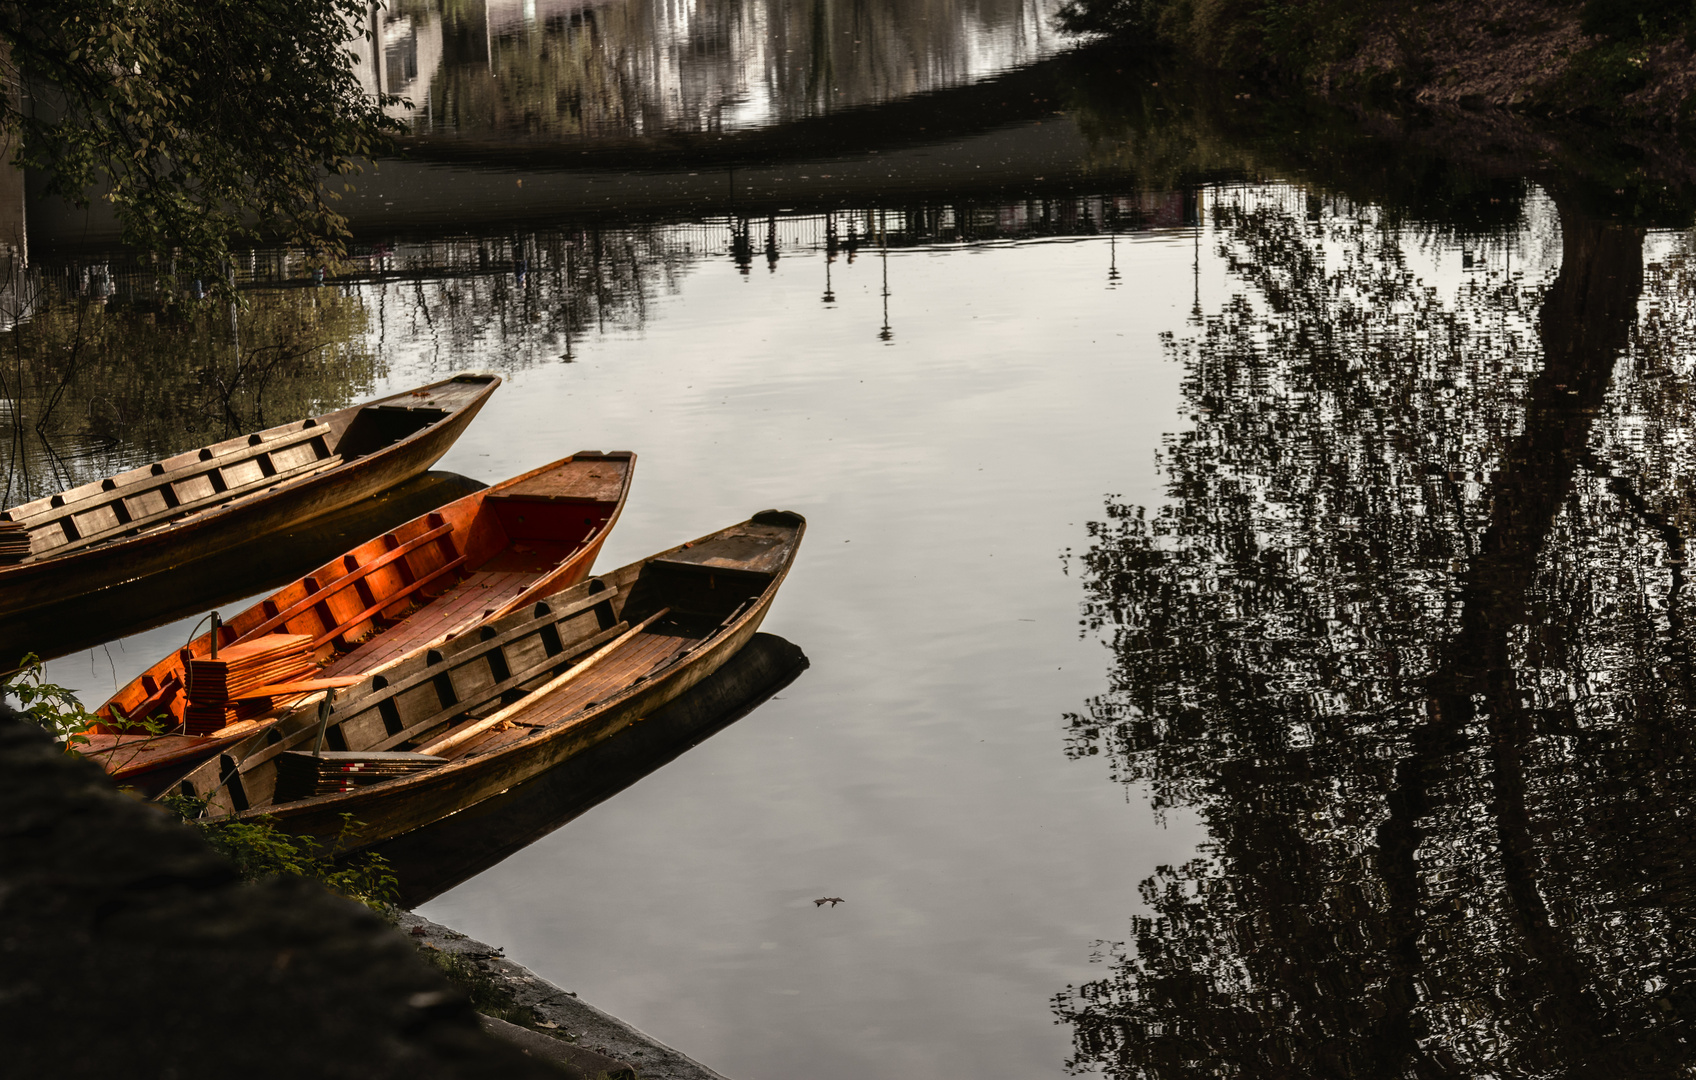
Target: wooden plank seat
497 691
297 688
174 513
546 615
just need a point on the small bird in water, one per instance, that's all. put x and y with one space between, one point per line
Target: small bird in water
831 900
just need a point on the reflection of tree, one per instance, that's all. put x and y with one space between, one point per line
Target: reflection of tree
1408 638
98 380
514 301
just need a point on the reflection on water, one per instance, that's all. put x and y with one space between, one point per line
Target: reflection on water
109 372
1411 637
1401 621
103 373
561 69
932 796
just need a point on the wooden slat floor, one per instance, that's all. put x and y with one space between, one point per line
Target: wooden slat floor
481 591
641 655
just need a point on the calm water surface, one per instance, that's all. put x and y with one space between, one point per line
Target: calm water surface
1247 620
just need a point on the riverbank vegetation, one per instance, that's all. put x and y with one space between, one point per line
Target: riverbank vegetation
1596 59
257 848
200 121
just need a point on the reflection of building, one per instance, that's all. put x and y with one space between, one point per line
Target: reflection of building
567 68
403 59
506 16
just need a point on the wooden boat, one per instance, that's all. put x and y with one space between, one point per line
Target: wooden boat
149 519
444 730
476 558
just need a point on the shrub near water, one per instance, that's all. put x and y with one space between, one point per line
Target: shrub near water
257 848
261 850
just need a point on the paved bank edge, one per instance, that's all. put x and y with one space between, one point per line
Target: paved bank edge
581 1023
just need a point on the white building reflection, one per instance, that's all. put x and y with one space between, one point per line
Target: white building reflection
402 58
572 68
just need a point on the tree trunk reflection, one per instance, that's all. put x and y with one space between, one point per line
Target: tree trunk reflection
1408 638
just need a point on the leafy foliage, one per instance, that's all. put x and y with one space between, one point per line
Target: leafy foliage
48 705
56 709
202 119
260 850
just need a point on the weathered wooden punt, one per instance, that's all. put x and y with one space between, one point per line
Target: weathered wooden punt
470 560
147 520
658 626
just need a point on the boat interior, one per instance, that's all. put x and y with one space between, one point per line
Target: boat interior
533 670
473 559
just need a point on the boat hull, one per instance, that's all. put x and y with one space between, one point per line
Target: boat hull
431 860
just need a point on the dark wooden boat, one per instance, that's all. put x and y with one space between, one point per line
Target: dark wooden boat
473 559
150 519
444 730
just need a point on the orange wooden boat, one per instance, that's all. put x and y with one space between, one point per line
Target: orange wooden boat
474 559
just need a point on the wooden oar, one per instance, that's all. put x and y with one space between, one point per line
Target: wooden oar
447 742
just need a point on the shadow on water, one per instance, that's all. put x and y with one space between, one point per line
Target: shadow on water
432 860
253 567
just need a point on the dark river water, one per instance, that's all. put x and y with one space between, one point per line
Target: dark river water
1245 584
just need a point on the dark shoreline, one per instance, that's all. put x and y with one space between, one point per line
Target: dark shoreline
113 910
576 1033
